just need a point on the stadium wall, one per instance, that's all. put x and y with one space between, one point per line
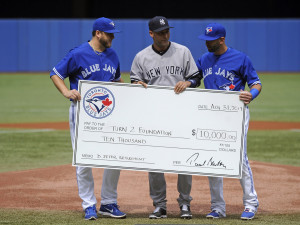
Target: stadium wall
29 45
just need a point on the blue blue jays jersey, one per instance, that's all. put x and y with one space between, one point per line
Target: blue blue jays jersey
82 63
229 71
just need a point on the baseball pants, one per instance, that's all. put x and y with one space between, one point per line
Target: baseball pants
158 188
85 180
249 194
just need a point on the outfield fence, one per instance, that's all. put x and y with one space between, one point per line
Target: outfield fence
29 45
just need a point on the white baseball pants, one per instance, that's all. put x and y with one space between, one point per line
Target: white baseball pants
249 194
85 180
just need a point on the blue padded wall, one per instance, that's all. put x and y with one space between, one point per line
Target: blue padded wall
37 45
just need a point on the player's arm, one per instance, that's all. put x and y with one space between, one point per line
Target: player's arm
118 77
248 96
193 81
61 86
192 76
136 72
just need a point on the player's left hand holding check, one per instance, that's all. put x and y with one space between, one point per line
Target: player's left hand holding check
246 97
181 86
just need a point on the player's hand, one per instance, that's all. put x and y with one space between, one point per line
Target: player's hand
73 95
246 97
181 86
142 83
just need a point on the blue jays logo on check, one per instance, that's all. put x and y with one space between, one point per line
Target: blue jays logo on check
99 102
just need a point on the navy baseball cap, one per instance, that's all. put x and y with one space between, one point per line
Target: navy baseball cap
213 31
104 24
158 23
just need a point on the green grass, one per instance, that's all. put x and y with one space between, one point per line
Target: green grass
33 98
37 217
280 147
22 150
279 99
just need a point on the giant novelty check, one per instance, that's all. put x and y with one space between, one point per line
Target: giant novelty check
127 126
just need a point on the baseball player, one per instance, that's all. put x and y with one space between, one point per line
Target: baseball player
225 68
166 63
88 62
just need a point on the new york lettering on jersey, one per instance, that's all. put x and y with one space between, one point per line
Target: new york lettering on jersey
167 70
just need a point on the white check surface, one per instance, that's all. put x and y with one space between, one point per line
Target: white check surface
198 132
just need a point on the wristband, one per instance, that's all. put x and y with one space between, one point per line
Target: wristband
193 83
254 93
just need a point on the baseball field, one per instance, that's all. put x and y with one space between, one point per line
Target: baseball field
38 183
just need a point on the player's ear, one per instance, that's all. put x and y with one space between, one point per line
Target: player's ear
98 33
222 40
151 33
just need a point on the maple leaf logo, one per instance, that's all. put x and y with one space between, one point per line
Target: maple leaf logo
106 102
231 87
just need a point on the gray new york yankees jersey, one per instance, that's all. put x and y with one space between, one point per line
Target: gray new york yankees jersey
176 64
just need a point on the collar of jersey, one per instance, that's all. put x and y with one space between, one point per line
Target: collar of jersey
163 52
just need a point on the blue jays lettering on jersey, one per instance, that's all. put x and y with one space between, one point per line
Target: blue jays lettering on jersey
229 71
82 63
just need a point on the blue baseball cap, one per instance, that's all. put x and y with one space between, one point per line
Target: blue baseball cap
104 24
213 31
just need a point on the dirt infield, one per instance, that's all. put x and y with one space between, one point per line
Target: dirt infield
55 188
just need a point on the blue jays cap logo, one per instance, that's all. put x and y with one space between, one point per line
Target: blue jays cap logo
99 102
208 30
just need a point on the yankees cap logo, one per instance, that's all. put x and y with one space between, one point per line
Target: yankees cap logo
162 22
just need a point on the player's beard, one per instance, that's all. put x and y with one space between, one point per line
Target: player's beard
213 48
105 42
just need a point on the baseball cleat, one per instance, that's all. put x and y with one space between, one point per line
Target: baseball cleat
185 212
111 210
248 214
213 215
158 213
91 213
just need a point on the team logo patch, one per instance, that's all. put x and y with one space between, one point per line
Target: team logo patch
208 30
162 22
227 86
99 102
112 23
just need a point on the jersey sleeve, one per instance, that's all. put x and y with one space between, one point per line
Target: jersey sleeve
192 72
191 68
136 72
198 63
249 73
117 74
65 67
